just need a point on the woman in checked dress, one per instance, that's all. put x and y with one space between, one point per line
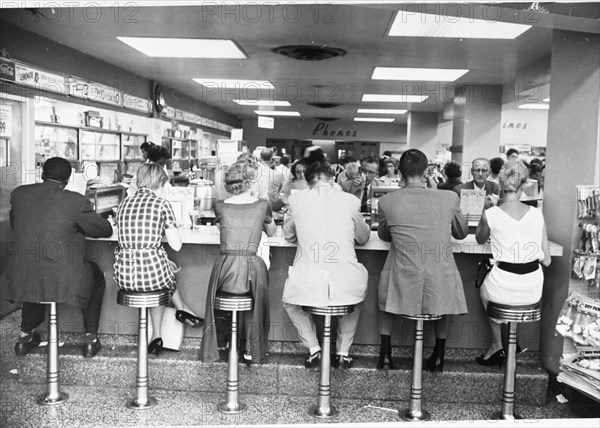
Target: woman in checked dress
141 262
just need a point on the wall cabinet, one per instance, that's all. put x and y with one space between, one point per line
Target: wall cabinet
85 144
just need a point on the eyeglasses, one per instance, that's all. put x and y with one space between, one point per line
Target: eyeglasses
481 171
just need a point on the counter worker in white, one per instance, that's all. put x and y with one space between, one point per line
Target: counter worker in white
325 223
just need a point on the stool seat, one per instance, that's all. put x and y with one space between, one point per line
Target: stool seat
143 299
233 302
514 313
423 317
334 311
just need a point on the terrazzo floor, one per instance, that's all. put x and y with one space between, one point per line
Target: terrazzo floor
105 406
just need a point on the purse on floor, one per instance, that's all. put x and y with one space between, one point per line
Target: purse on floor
483 268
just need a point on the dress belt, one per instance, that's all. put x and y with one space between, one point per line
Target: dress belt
241 253
519 268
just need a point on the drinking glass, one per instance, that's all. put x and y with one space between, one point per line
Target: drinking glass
194 218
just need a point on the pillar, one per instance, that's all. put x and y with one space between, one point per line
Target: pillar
572 155
422 132
476 124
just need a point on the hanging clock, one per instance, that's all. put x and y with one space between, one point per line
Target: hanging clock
159 99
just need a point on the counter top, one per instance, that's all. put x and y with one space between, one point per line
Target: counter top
209 235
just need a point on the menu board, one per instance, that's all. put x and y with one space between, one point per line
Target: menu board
471 203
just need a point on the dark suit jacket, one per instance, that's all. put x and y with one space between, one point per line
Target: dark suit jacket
46 260
420 275
490 187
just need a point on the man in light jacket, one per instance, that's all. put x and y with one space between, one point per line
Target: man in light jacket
325 223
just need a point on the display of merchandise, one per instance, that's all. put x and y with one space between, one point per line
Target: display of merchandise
579 320
582 371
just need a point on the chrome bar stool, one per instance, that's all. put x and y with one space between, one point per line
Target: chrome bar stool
513 315
53 394
143 301
234 303
415 411
323 410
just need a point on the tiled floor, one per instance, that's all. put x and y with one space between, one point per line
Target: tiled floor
99 406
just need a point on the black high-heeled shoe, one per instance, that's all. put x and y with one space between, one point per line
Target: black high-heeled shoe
185 317
435 362
385 353
497 358
155 346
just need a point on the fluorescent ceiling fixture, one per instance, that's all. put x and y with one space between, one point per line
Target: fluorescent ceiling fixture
430 25
374 119
381 111
395 98
185 48
235 83
276 113
262 103
546 100
535 106
418 74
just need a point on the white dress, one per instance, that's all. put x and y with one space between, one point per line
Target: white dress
514 241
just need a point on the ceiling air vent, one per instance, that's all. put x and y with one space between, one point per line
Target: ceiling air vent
309 52
324 105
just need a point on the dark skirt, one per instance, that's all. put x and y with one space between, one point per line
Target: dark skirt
237 274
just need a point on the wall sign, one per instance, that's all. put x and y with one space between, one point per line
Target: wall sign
322 130
136 103
7 70
6 119
30 76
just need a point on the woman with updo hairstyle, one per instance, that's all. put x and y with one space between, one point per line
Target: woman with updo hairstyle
519 245
241 219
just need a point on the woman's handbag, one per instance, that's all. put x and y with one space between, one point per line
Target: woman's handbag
483 268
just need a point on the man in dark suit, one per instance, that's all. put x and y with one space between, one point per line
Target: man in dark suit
480 170
47 262
361 185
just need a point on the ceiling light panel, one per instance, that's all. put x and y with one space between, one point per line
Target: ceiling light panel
430 25
381 111
185 48
535 106
276 113
374 119
419 74
384 98
234 83
262 103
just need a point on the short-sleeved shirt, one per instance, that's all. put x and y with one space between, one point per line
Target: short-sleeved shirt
141 262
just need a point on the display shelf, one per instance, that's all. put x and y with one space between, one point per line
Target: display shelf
584 286
85 143
52 140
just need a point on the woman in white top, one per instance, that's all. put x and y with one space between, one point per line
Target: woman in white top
519 244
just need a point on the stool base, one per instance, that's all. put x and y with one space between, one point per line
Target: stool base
46 400
151 402
231 408
498 416
321 413
415 415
